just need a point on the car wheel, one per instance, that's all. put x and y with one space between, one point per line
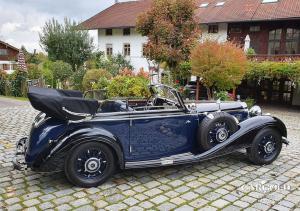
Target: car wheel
89 164
216 128
266 147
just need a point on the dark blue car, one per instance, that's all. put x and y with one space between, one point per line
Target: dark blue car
89 140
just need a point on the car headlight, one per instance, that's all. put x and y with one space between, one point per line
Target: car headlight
255 111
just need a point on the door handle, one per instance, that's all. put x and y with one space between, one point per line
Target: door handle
188 122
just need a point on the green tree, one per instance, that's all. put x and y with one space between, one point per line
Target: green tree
172 31
66 42
61 72
221 66
113 64
34 72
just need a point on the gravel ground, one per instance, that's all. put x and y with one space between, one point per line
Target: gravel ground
229 183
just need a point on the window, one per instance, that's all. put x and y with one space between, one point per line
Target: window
126 31
254 28
145 52
126 50
221 3
213 29
269 1
235 29
274 41
292 45
204 5
109 50
3 52
108 32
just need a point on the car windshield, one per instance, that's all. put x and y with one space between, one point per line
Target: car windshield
164 92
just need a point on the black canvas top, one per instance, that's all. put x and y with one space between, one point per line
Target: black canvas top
52 101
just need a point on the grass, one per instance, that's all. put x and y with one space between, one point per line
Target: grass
15 98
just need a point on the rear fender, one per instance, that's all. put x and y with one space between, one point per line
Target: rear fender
80 135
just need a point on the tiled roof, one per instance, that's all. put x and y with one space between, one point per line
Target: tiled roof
125 14
8 45
122 14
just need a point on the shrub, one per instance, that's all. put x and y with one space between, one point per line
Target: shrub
92 76
3 78
61 71
18 84
221 66
250 102
128 86
223 96
277 70
250 52
102 83
77 78
34 72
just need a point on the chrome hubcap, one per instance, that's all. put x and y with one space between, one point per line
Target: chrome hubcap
269 147
222 135
92 165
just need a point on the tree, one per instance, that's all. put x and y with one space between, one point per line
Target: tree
61 71
172 31
113 64
66 42
221 66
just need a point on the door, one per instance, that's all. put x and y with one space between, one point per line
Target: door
161 134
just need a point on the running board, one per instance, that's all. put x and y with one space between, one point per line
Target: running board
182 158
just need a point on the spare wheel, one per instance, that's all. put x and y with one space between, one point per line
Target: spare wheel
216 128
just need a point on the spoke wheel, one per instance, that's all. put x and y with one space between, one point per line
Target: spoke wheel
89 164
266 147
216 129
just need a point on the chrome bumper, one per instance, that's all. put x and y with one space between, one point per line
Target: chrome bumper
19 159
285 141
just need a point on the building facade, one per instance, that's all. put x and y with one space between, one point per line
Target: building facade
8 57
272 25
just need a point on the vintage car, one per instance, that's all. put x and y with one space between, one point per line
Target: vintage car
89 140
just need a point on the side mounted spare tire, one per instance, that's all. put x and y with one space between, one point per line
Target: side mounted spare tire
215 128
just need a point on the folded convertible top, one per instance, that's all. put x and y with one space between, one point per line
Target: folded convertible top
61 104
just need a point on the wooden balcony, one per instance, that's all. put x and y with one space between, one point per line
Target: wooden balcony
275 58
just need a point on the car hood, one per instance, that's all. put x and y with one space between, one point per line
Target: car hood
214 106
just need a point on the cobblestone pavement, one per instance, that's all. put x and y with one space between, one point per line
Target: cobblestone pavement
229 183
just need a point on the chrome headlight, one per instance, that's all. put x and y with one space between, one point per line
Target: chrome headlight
255 111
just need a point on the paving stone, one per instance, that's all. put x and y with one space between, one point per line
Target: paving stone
184 208
220 203
159 199
46 205
100 204
203 186
146 204
80 202
131 201
198 203
64 207
189 196
31 202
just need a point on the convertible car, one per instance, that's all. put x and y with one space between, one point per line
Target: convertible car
89 140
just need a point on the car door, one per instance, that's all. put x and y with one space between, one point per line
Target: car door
158 134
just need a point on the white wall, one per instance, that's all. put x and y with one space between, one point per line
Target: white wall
221 36
135 40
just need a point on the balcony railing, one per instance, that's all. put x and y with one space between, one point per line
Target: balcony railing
275 58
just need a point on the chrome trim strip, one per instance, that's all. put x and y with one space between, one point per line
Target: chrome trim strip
76 114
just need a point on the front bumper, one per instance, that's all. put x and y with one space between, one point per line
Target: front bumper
19 159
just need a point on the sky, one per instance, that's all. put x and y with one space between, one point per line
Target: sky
22 20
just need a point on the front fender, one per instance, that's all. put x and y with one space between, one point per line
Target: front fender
87 133
247 130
